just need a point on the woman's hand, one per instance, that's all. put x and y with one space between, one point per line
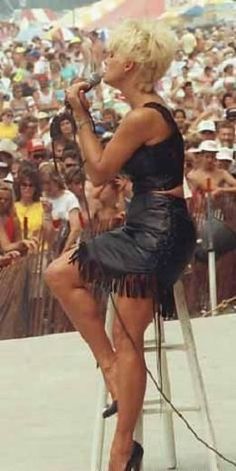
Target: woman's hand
75 95
47 206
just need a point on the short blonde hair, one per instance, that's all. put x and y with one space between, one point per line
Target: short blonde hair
148 43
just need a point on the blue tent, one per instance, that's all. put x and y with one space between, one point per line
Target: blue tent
197 10
29 33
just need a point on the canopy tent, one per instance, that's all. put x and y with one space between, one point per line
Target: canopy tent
131 9
106 14
34 16
84 16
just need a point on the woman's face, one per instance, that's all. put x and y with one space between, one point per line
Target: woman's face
5 202
50 188
114 69
66 127
7 118
27 190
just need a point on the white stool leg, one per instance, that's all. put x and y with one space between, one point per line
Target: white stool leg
195 371
167 415
99 428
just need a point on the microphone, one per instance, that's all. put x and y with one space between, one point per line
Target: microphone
92 82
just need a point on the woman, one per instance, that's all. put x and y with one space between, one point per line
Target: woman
146 255
11 241
45 98
28 207
18 104
59 204
8 129
9 220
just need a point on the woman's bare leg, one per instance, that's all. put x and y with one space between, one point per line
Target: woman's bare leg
136 314
80 306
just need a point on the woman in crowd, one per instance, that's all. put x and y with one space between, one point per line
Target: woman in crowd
11 240
18 104
45 97
28 207
8 129
60 205
9 220
147 254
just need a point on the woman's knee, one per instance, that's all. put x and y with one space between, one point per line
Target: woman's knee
54 275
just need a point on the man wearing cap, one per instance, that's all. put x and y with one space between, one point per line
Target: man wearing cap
7 154
37 152
206 130
81 55
208 176
224 158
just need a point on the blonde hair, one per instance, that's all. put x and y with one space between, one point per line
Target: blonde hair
149 44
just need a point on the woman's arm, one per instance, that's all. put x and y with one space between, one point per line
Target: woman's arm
138 127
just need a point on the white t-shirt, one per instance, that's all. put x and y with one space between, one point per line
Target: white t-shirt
62 205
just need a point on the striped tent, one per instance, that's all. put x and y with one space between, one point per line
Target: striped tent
35 16
84 16
105 14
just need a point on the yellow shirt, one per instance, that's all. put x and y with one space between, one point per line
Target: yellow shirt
34 215
8 131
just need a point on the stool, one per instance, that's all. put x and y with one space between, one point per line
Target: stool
161 406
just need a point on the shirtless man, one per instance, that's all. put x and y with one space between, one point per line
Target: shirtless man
208 176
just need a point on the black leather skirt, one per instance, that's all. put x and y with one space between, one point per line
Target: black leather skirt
146 254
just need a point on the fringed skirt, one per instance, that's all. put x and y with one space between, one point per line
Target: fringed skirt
146 255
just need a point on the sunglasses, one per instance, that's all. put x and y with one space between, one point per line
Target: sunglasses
26 185
38 156
70 165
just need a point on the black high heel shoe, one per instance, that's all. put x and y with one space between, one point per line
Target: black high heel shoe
110 410
134 463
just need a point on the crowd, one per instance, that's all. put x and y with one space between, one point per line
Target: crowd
43 191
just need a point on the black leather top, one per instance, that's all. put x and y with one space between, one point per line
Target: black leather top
159 166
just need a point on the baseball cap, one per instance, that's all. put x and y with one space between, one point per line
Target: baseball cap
208 146
193 150
35 145
225 154
34 53
42 115
206 126
75 40
20 50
